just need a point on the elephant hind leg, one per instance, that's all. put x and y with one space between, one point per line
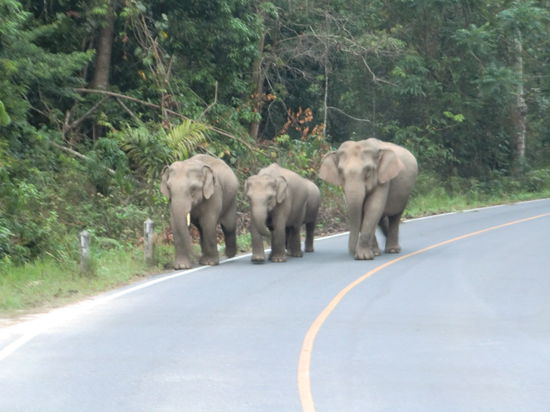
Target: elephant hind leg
310 230
230 237
293 242
392 236
384 225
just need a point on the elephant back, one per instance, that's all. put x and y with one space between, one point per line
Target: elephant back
223 174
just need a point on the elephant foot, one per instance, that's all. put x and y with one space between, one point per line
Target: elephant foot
376 251
278 258
258 259
364 254
182 265
296 254
393 249
210 261
230 251
309 249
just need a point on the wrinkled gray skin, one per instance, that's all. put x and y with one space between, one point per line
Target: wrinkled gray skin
205 187
281 202
377 178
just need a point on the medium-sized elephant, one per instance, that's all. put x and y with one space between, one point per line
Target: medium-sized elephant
201 190
281 202
377 178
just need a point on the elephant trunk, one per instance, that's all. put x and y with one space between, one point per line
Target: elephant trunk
259 220
182 239
355 199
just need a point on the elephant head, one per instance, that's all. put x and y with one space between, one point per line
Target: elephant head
360 167
265 192
186 184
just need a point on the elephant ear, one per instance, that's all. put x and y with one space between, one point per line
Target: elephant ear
164 181
389 167
282 187
208 182
329 169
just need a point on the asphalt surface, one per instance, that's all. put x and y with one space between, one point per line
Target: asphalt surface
464 326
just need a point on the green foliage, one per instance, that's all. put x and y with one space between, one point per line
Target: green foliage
301 155
434 195
440 78
150 150
5 119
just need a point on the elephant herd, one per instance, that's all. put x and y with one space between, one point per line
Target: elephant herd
377 178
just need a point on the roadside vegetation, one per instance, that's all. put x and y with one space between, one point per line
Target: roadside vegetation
97 97
49 281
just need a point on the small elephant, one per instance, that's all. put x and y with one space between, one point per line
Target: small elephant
377 178
281 202
202 191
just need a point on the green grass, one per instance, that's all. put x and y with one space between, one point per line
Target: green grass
436 201
50 282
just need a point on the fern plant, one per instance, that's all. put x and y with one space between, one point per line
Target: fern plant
150 150
184 139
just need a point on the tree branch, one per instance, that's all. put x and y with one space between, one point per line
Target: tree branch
173 113
127 109
348 115
213 103
68 126
79 155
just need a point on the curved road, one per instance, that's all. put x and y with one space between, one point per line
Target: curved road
453 323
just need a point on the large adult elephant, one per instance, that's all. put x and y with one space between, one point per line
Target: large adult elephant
202 188
281 202
377 178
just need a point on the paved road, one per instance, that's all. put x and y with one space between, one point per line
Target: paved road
461 327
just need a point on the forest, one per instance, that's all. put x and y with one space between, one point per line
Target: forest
97 96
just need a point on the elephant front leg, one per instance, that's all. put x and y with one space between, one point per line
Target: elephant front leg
182 238
182 244
392 237
209 245
258 253
229 228
367 246
373 244
364 250
278 242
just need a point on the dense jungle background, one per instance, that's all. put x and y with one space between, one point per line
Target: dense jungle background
97 96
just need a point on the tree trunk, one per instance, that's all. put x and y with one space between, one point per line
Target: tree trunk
258 80
104 48
325 98
519 109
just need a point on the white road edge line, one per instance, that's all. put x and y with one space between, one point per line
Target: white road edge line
27 330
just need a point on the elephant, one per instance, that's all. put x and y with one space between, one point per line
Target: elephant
281 202
202 190
377 178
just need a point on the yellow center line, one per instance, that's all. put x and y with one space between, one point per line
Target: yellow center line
304 363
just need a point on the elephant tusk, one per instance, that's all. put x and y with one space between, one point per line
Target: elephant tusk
188 219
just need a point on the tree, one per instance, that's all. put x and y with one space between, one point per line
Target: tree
104 47
523 22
